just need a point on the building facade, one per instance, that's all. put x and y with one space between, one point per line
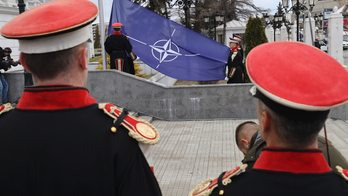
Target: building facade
232 27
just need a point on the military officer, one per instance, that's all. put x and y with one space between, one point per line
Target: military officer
59 140
239 38
234 64
250 142
294 101
118 46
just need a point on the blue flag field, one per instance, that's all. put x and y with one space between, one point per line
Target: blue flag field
168 47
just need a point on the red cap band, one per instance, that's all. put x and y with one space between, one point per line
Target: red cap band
298 76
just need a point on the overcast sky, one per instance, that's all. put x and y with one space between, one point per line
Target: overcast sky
268 4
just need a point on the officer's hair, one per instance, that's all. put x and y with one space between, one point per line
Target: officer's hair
238 132
50 65
294 133
117 29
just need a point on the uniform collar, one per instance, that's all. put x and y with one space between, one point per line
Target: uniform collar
234 49
292 160
55 97
254 139
254 149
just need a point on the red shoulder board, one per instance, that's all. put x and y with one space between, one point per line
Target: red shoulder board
139 129
343 172
206 187
5 108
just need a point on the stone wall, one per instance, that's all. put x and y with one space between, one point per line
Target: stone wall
197 102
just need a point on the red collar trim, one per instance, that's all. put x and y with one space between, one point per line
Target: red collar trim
292 160
117 33
234 49
55 97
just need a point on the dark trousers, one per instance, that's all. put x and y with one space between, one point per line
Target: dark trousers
237 77
119 61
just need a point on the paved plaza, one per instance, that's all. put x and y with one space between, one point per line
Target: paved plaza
192 151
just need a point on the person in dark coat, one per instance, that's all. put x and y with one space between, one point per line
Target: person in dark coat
290 116
234 64
59 140
5 64
120 50
3 82
316 43
251 143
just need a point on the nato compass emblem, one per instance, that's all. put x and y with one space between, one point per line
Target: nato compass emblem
164 50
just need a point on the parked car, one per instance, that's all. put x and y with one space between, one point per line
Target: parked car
345 39
323 46
345 45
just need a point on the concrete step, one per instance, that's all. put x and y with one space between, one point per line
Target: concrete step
342 124
337 135
135 114
146 118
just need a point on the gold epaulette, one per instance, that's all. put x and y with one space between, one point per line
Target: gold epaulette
343 172
5 108
139 129
206 187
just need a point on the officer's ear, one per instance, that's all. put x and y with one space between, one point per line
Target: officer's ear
245 143
21 59
266 120
83 57
265 129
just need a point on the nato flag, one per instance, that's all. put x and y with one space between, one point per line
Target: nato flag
168 47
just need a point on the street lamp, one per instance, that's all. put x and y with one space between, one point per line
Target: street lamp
265 16
285 4
311 4
319 19
21 6
277 18
275 22
217 19
280 18
298 7
316 19
288 25
28 79
186 4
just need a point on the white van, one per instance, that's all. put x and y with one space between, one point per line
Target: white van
345 39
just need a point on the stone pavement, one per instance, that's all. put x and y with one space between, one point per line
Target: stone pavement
192 151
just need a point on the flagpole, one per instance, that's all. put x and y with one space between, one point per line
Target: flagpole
102 31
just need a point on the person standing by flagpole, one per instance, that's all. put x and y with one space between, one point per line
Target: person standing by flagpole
167 46
118 46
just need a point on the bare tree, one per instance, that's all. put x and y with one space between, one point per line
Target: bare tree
342 3
97 37
158 6
231 9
